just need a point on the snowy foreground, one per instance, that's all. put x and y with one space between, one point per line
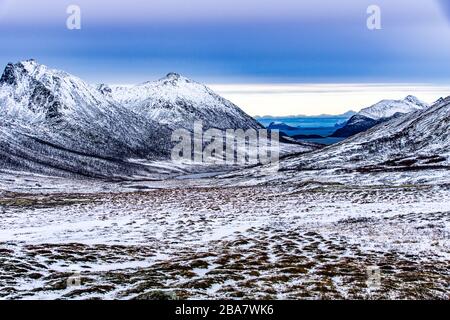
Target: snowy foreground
201 239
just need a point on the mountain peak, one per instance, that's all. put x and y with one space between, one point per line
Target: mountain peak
15 71
30 64
411 98
174 78
442 100
31 61
173 75
414 100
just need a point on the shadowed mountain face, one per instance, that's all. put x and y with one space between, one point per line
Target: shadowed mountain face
55 123
356 124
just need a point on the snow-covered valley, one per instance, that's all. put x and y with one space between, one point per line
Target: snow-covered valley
279 241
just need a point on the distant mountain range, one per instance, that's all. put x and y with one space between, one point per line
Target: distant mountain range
281 126
345 115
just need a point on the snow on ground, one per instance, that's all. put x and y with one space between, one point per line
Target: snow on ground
273 241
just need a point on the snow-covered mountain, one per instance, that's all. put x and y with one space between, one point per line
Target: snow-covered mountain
54 123
417 140
380 112
178 102
388 108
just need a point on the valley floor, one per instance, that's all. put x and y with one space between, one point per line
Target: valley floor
272 242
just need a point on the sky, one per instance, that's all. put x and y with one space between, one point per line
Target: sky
277 57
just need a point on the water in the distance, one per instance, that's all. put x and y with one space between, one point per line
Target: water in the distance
307 126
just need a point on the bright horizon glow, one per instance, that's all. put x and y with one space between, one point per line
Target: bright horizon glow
316 99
